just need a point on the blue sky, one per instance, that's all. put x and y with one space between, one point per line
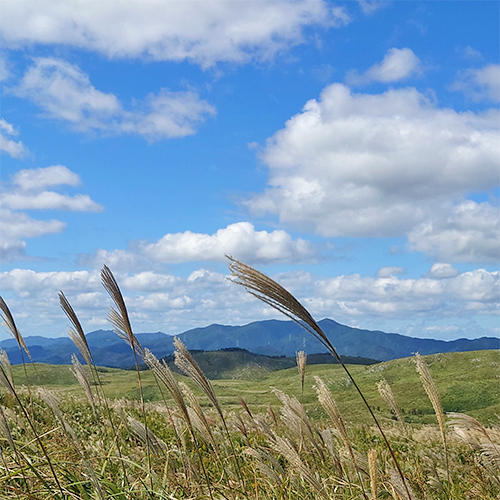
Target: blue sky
348 149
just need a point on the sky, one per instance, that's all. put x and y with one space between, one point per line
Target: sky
350 150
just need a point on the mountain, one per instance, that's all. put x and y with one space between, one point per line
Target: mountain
270 338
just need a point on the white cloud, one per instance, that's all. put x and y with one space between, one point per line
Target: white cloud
36 179
12 148
471 53
397 65
240 240
370 6
442 270
26 191
388 272
201 32
165 302
470 233
479 84
353 164
64 92
16 227
4 68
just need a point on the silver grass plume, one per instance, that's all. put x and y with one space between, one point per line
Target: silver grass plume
8 321
264 288
52 403
326 399
145 435
5 430
5 362
284 448
263 468
432 393
295 419
200 418
387 395
164 375
186 363
83 380
119 317
470 430
76 333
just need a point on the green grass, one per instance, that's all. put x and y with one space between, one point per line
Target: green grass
467 382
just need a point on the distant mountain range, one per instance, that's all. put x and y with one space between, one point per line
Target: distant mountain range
271 338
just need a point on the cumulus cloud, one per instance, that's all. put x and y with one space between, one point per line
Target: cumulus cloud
353 164
479 84
159 301
64 92
240 240
27 191
470 233
201 32
388 272
442 270
8 145
398 64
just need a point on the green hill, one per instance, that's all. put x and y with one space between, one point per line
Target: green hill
467 382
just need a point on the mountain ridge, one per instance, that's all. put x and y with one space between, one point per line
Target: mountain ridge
268 337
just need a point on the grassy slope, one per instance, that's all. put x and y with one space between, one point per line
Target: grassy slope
467 382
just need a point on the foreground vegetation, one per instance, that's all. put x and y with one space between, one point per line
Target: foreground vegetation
306 437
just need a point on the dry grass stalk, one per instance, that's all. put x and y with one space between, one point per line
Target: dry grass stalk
432 393
372 467
301 365
387 395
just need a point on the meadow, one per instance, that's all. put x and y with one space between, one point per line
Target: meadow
414 428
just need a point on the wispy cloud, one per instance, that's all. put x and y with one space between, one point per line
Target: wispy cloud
27 191
479 84
202 32
64 92
397 65
8 145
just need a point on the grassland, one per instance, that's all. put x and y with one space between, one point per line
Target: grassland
468 382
